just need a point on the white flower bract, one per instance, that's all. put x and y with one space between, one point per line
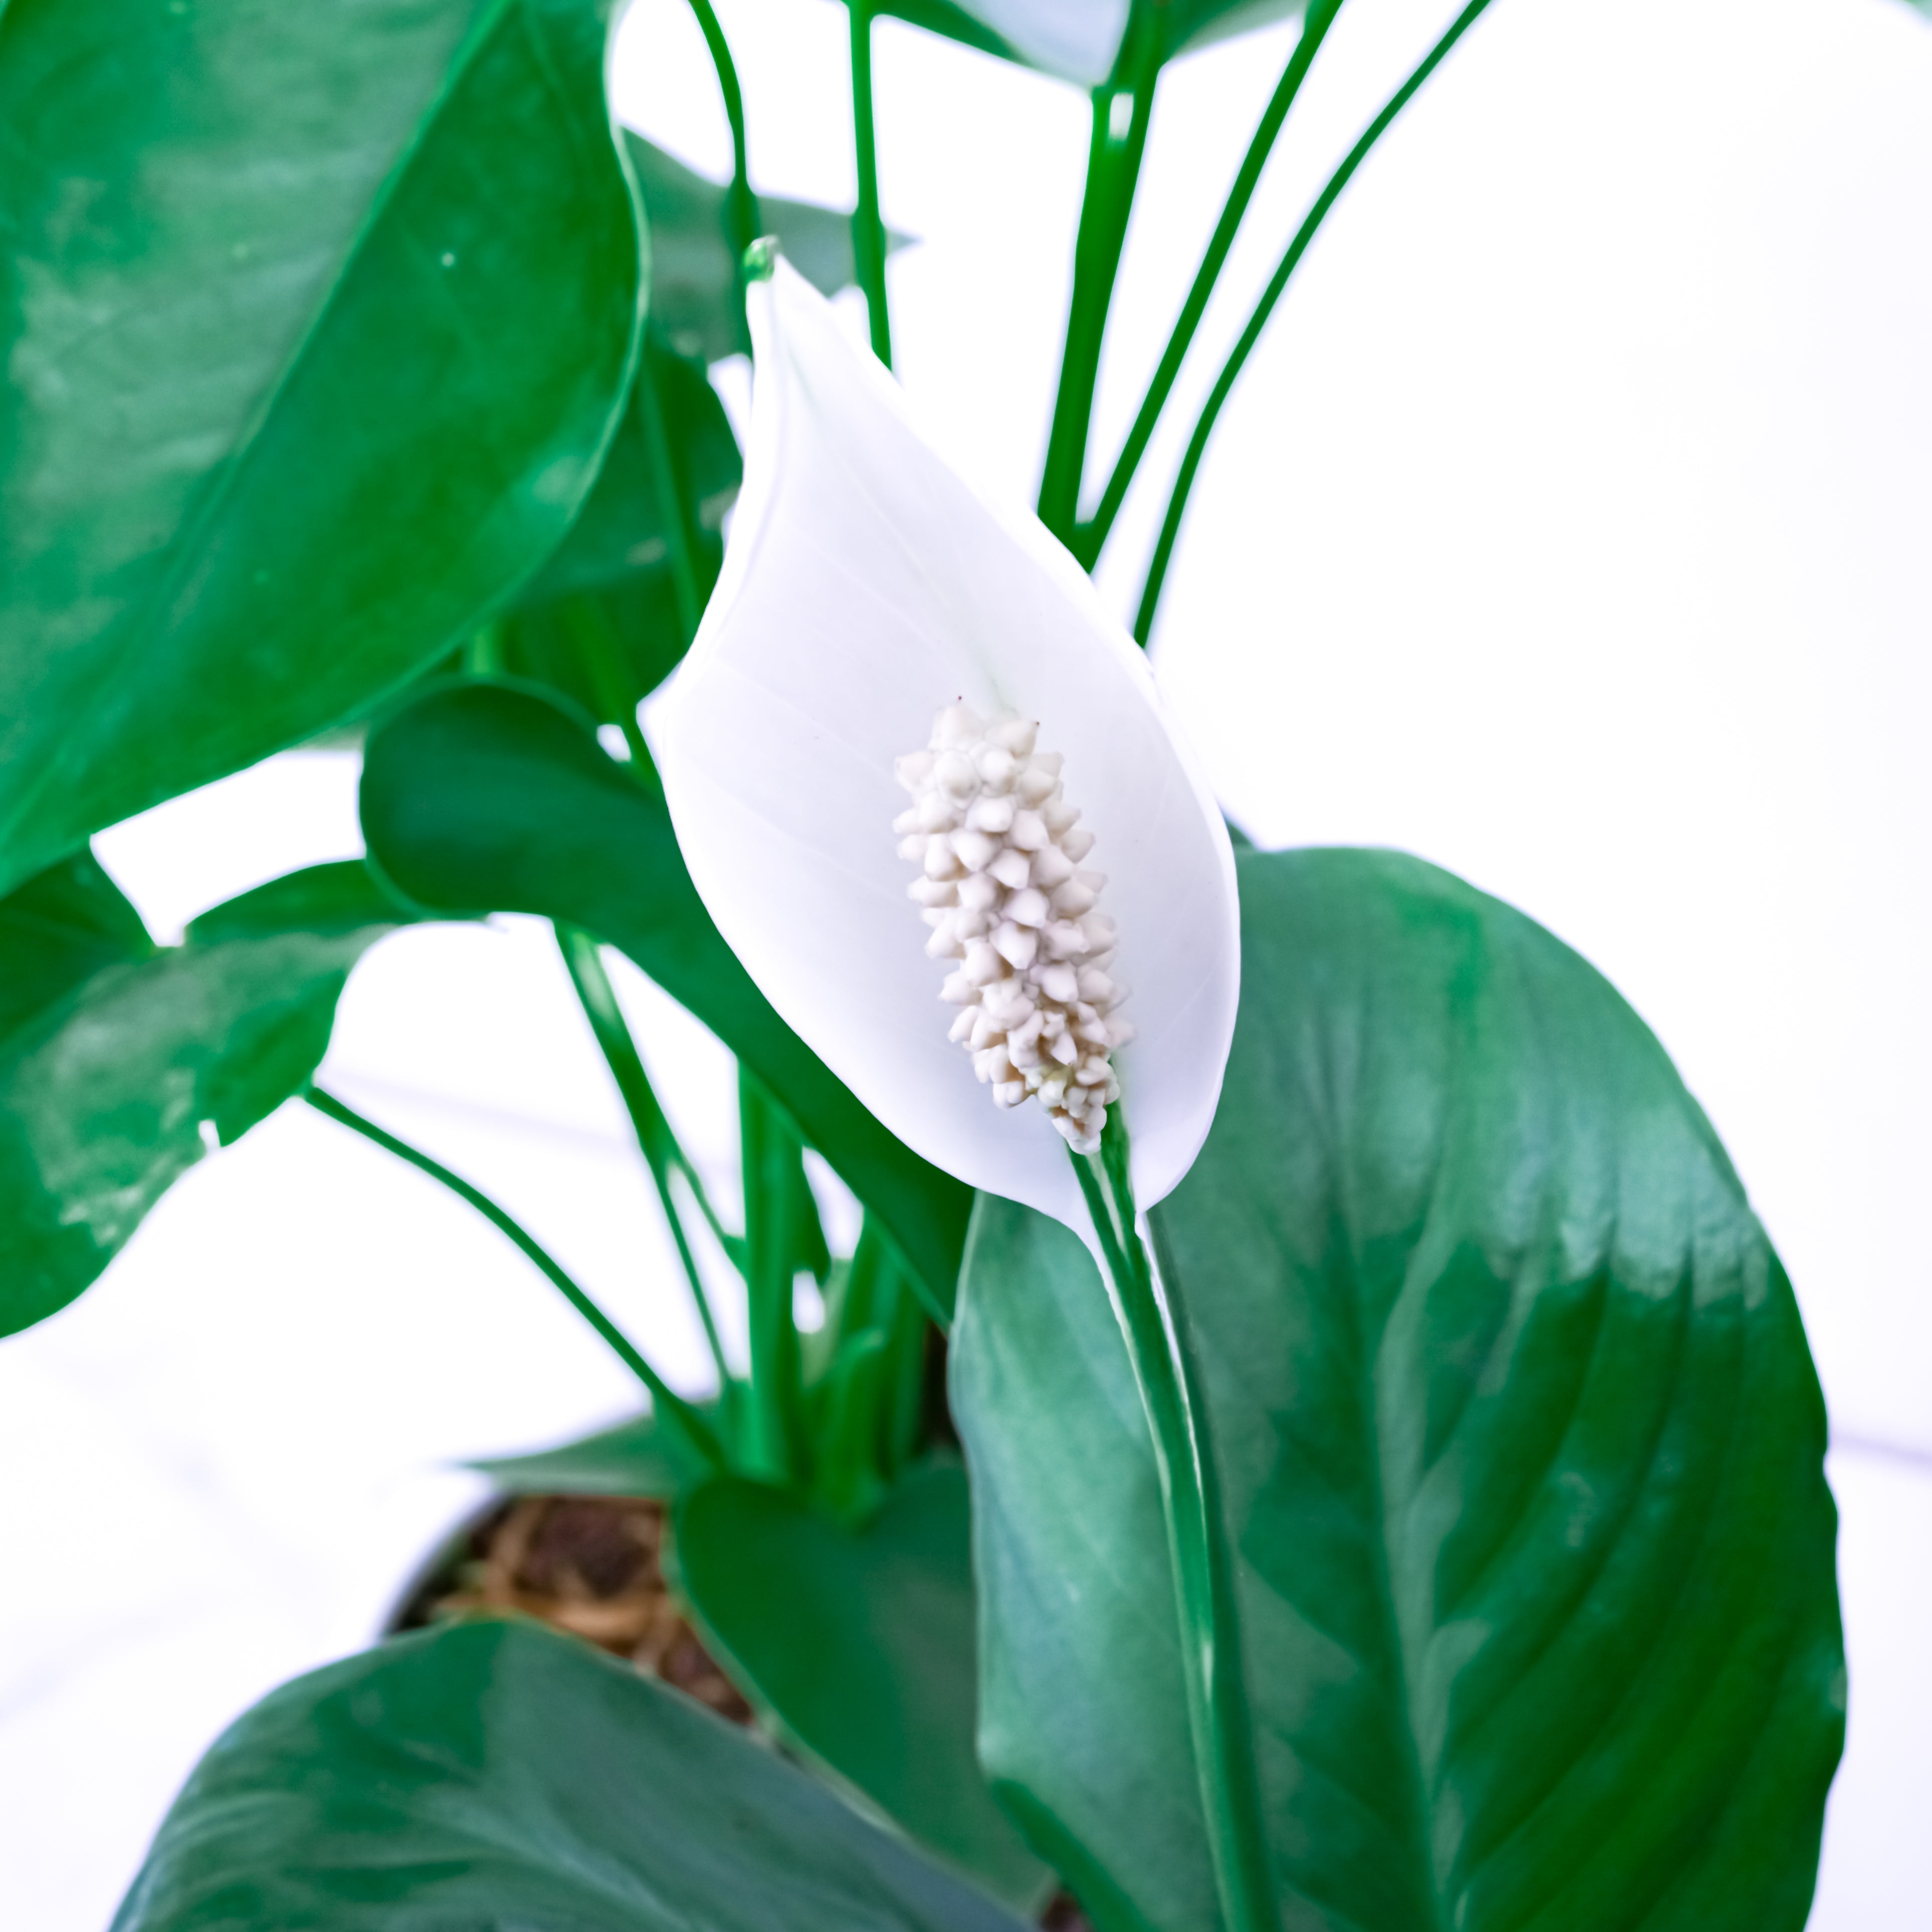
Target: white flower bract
866 586
1001 883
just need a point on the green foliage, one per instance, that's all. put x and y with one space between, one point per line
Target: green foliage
492 1774
316 337
486 796
866 1657
114 1052
1520 1443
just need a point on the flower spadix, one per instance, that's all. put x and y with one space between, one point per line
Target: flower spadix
925 786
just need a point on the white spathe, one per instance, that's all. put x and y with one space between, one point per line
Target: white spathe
865 585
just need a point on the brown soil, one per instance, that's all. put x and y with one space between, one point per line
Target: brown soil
586 1565
589 1565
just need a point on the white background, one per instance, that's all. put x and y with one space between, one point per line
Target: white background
1569 528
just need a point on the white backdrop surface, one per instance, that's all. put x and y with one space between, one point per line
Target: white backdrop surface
1568 529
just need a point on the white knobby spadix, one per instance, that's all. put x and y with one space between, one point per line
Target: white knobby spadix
866 589
999 851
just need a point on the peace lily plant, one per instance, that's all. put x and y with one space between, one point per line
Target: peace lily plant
1376 1477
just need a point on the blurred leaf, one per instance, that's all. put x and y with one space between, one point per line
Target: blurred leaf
488 797
860 1643
104 1086
600 622
1520 1448
634 1459
621 531
694 307
1080 39
494 1775
317 322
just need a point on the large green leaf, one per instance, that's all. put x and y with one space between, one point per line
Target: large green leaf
494 1775
864 1651
105 1084
317 320
1080 39
491 796
1520 1446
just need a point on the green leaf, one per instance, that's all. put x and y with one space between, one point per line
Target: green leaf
1080 39
105 1084
60 928
636 1458
483 795
621 530
317 322
694 301
494 1775
1520 1446
860 1643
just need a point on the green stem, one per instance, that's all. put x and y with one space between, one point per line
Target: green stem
1092 536
1113 169
667 481
868 232
1155 1329
671 1407
656 1139
742 222
777 1444
588 626
1170 527
483 656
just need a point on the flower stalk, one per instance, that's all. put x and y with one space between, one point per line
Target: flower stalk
1153 1324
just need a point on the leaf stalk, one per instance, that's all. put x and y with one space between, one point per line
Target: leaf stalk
868 230
1224 383
676 1412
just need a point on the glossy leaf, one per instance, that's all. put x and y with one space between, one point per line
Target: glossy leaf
493 1775
490 796
105 1087
694 303
1521 1449
634 1459
861 1644
1080 39
317 322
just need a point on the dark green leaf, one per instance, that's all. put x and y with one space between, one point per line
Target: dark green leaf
1520 1445
621 530
486 796
317 322
496 1776
694 307
104 1088
635 1459
861 1644
60 928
